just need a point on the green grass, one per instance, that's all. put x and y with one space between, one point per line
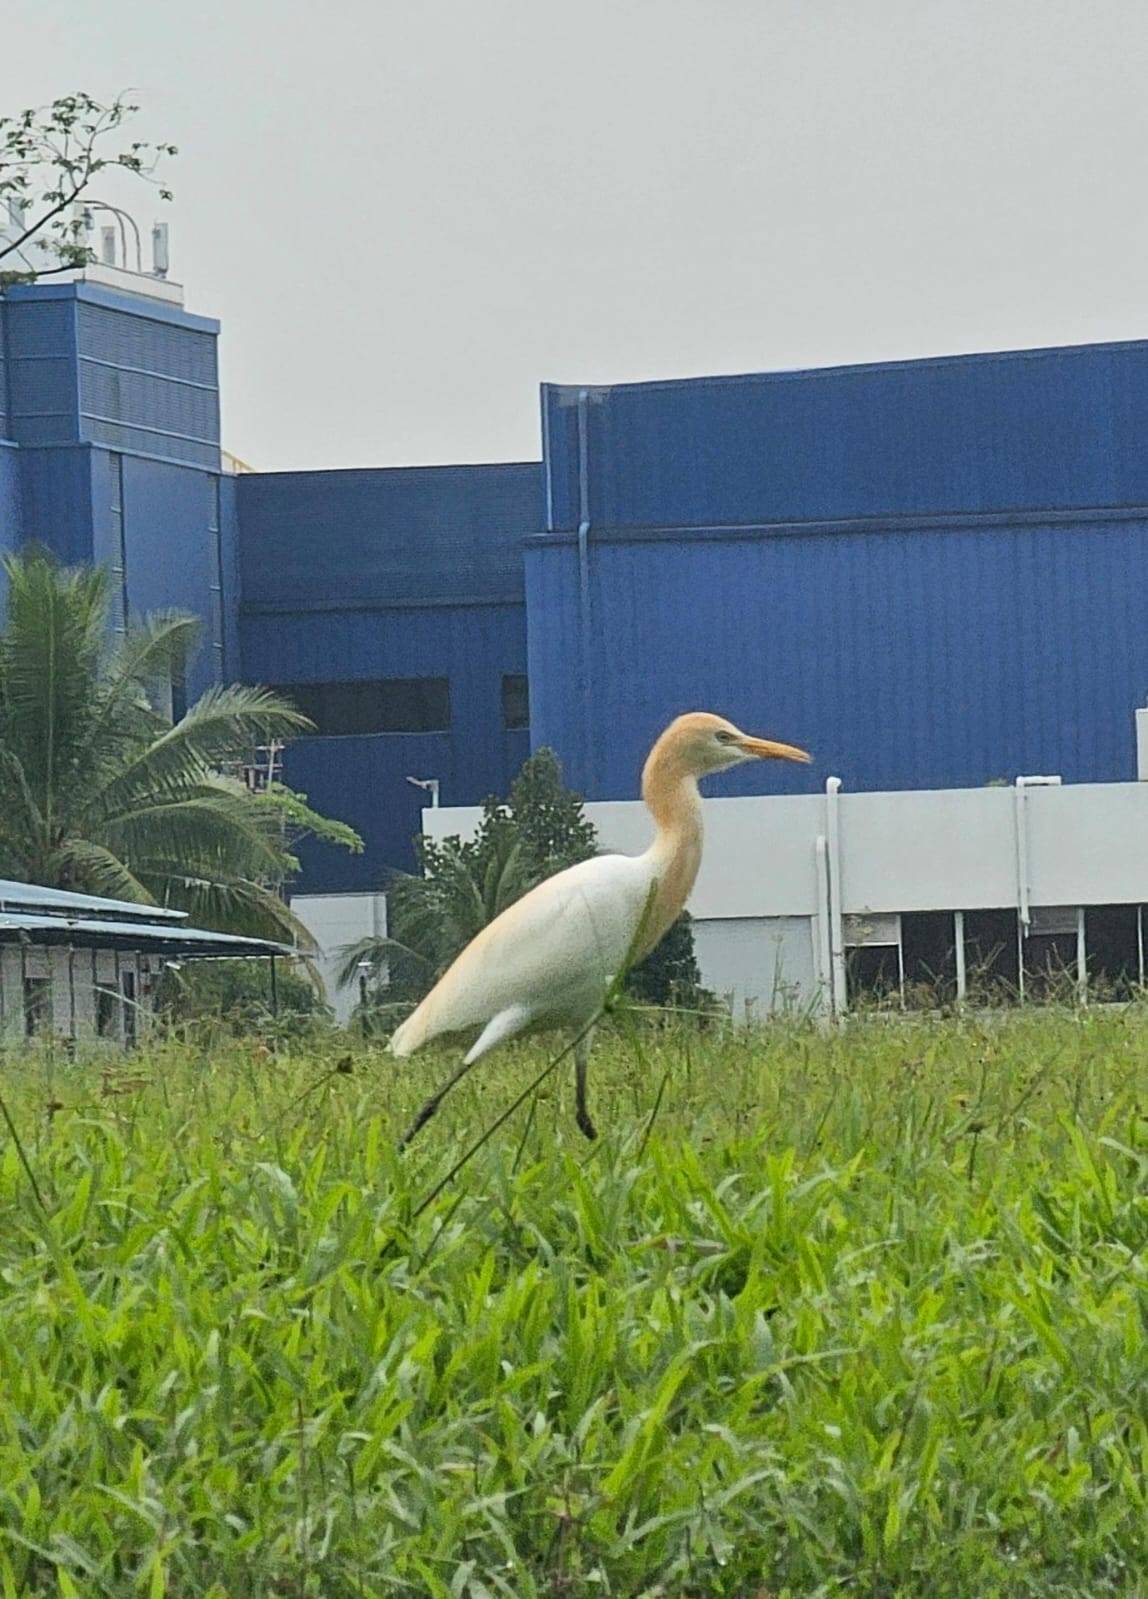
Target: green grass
859 1314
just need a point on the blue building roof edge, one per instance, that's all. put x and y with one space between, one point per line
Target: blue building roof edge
95 294
567 393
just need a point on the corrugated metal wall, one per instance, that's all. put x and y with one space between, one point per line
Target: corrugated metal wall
117 370
42 380
925 656
1032 429
11 512
413 572
148 383
4 430
386 536
88 367
931 572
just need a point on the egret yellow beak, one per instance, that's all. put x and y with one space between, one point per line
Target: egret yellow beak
765 749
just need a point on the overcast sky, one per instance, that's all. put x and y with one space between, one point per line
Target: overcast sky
407 215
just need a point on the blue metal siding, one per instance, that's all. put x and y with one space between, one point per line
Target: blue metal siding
42 380
58 500
167 514
11 500
4 405
1025 430
927 657
380 537
410 572
126 372
232 655
147 384
363 780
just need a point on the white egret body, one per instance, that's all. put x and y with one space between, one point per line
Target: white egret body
548 959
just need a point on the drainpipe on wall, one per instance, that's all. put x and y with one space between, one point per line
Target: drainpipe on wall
824 944
584 581
836 920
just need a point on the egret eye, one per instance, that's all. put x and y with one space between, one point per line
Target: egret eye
725 738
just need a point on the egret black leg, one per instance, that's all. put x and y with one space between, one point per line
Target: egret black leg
581 1062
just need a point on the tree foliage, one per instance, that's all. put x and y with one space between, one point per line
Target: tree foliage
540 829
101 792
49 158
237 995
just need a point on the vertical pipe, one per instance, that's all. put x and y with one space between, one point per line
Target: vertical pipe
274 988
1081 958
959 951
1140 941
836 921
584 584
824 948
1020 795
72 991
547 474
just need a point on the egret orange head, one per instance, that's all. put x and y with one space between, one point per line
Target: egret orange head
705 743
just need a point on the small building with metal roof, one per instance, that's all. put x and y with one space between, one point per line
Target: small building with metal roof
77 966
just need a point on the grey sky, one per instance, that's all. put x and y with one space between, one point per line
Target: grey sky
407 215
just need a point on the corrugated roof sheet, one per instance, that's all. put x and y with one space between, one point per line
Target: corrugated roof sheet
56 899
85 931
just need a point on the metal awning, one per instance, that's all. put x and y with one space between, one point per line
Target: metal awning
18 898
144 937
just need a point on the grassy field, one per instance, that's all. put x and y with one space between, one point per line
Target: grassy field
857 1314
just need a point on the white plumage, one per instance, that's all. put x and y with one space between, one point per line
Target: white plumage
549 959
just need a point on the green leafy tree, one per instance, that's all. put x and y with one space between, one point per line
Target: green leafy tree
540 829
49 158
669 976
101 792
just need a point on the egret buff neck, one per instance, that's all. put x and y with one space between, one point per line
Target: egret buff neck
670 790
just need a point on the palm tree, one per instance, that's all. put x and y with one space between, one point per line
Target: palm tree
101 792
432 918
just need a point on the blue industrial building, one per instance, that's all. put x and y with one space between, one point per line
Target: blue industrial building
109 448
933 573
390 605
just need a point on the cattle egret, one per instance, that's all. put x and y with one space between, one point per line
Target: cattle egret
548 960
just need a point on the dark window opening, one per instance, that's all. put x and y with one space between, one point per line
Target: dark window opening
382 705
37 1005
929 951
992 962
515 701
1049 953
1112 945
130 1008
107 1013
873 972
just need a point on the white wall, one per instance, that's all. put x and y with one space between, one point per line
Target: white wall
758 896
334 922
75 976
759 964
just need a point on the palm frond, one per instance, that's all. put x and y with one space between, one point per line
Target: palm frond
220 727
